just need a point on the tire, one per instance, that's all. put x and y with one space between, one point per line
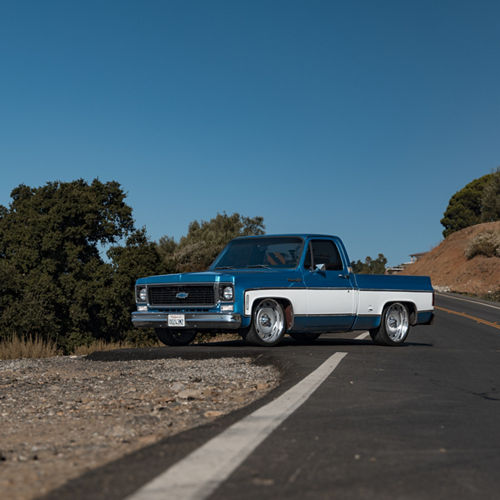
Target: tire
268 324
304 338
175 337
394 326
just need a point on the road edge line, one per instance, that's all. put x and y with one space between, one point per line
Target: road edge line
470 301
198 475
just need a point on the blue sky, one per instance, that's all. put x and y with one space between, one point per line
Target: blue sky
356 118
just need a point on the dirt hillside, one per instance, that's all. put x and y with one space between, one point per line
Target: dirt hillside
448 267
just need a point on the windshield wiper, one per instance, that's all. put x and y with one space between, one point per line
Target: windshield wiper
224 267
258 266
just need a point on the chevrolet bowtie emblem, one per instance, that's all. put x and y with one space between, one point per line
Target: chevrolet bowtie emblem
182 295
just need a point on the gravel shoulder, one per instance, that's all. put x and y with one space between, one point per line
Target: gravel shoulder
60 417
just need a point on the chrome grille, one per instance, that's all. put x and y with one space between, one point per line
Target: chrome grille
171 295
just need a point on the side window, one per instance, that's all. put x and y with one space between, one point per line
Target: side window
324 252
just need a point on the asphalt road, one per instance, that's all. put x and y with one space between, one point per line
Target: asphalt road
417 421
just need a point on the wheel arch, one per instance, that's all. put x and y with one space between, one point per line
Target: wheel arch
411 306
284 302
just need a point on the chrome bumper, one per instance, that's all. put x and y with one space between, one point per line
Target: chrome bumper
198 321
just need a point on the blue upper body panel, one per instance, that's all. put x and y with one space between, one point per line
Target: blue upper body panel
245 279
249 277
389 282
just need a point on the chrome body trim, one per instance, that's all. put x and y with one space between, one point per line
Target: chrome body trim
399 290
223 321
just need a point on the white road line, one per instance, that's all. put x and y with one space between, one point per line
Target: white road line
363 336
467 300
201 472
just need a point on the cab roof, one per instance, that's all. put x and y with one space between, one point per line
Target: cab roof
291 235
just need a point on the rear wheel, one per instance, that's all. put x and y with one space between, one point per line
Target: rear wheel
175 337
268 324
394 327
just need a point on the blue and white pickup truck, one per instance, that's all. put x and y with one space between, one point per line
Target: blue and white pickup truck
264 287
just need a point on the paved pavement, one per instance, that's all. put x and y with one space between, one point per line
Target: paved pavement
417 421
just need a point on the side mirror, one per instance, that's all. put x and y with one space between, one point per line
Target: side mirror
320 268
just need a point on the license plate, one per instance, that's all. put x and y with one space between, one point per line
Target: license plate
176 320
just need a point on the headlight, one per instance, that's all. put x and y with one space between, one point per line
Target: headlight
227 293
142 294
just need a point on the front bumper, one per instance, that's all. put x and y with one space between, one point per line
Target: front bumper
197 321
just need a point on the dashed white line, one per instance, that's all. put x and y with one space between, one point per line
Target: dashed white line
202 471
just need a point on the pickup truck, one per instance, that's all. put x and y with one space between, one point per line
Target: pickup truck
264 287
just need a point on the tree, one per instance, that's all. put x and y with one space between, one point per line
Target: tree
139 257
465 206
57 284
490 200
370 266
205 240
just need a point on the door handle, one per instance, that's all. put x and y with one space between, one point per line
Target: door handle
344 276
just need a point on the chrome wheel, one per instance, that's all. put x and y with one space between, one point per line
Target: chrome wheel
269 321
397 322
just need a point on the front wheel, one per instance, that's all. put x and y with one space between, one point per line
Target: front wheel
268 324
394 326
175 337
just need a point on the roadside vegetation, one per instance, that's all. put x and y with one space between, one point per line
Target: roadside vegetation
69 256
486 243
477 202
70 253
35 347
467 261
204 241
370 265
32 347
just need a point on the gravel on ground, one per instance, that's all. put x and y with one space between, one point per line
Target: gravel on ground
60 417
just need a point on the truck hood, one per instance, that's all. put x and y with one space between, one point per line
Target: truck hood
224 276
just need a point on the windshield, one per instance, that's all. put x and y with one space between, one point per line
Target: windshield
265 252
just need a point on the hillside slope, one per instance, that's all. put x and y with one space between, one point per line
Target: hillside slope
448 267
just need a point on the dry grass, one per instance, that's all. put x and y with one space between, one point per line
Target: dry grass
206 338
486 243
33 347
101 345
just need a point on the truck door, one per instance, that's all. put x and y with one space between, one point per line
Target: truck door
329 288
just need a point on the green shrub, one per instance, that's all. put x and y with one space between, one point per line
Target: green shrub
486 243
55 282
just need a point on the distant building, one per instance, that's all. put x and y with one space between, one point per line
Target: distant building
395 269
401 267
416 256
